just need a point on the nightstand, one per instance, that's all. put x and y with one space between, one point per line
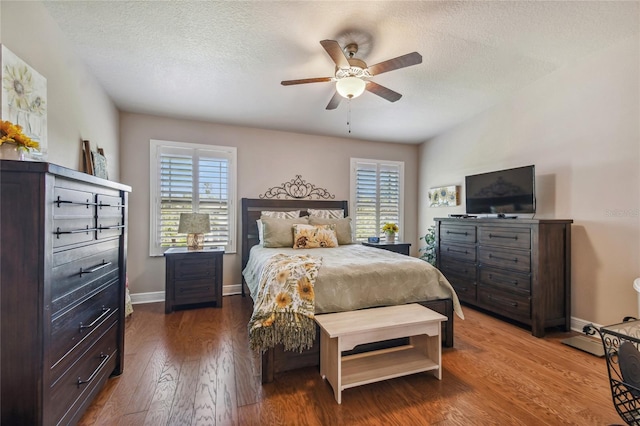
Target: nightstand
402 248
193 277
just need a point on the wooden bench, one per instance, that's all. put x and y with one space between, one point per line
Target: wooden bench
344 330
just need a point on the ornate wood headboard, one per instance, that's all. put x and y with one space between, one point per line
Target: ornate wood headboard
251 208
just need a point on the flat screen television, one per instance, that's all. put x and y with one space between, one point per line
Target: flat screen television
503 192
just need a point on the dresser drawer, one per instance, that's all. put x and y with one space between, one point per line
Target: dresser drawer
72 204
109 220
84 270
195 291
91 335
459 269
72 326
73 231
457 252
505 237
90 371
458 233
511 281
465 289
503 303
517 260
194 267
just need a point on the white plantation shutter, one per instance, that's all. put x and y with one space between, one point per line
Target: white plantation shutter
376 195
188 178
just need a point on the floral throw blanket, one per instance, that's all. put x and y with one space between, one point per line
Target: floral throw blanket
284 308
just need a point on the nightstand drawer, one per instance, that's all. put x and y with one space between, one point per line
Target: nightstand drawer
194 268
506 237
194 291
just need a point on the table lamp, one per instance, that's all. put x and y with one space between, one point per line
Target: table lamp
195 225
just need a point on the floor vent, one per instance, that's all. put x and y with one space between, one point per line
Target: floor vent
586 344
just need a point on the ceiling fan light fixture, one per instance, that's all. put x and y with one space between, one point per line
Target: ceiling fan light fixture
350 87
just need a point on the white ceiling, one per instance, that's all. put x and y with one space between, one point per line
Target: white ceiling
223 61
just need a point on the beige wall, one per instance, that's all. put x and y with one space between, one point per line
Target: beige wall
265 159
78 107
580 127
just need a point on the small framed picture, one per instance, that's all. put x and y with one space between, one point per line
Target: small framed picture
373 239
99 165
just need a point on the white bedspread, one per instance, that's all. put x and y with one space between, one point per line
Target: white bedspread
356 277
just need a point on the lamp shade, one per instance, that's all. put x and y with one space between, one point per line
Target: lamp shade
194 223
350 87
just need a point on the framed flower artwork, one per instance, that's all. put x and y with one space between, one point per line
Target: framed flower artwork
24 99
445 196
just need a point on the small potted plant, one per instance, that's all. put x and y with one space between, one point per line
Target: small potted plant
13 142
390 230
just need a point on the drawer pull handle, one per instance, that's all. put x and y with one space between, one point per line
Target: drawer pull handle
87 203
104 358
117 206
465 233
514 282
457 251
95 268
100 227
504 302
504 236
74 231
105 312
514 260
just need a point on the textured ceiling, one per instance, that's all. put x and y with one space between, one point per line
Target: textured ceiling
223 61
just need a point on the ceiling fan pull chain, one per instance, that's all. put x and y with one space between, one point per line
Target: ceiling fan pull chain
349 115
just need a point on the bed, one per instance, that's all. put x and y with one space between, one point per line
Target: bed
330 294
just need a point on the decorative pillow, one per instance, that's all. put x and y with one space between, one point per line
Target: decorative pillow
278 232
326 213
281 215
318 236
342 227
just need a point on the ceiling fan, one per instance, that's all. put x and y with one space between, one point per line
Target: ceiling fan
352 75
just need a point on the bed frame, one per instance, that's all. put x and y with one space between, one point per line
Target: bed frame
277 360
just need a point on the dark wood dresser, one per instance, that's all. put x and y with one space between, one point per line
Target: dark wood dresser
517 268
63 255
193 277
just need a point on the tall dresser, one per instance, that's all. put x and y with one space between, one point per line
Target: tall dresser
517 268
63 249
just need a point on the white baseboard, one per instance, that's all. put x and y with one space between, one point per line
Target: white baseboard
578 324
158 296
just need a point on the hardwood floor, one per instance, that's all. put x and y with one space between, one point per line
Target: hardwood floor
194 367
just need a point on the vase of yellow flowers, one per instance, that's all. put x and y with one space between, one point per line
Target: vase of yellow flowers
13 142
390 230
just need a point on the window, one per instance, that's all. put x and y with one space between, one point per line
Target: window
192 178
377 189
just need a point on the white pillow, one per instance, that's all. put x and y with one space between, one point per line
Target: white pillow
291 214
326 213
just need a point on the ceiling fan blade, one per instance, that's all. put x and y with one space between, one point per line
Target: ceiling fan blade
383 92
306 80
335 51
407 60
335 101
